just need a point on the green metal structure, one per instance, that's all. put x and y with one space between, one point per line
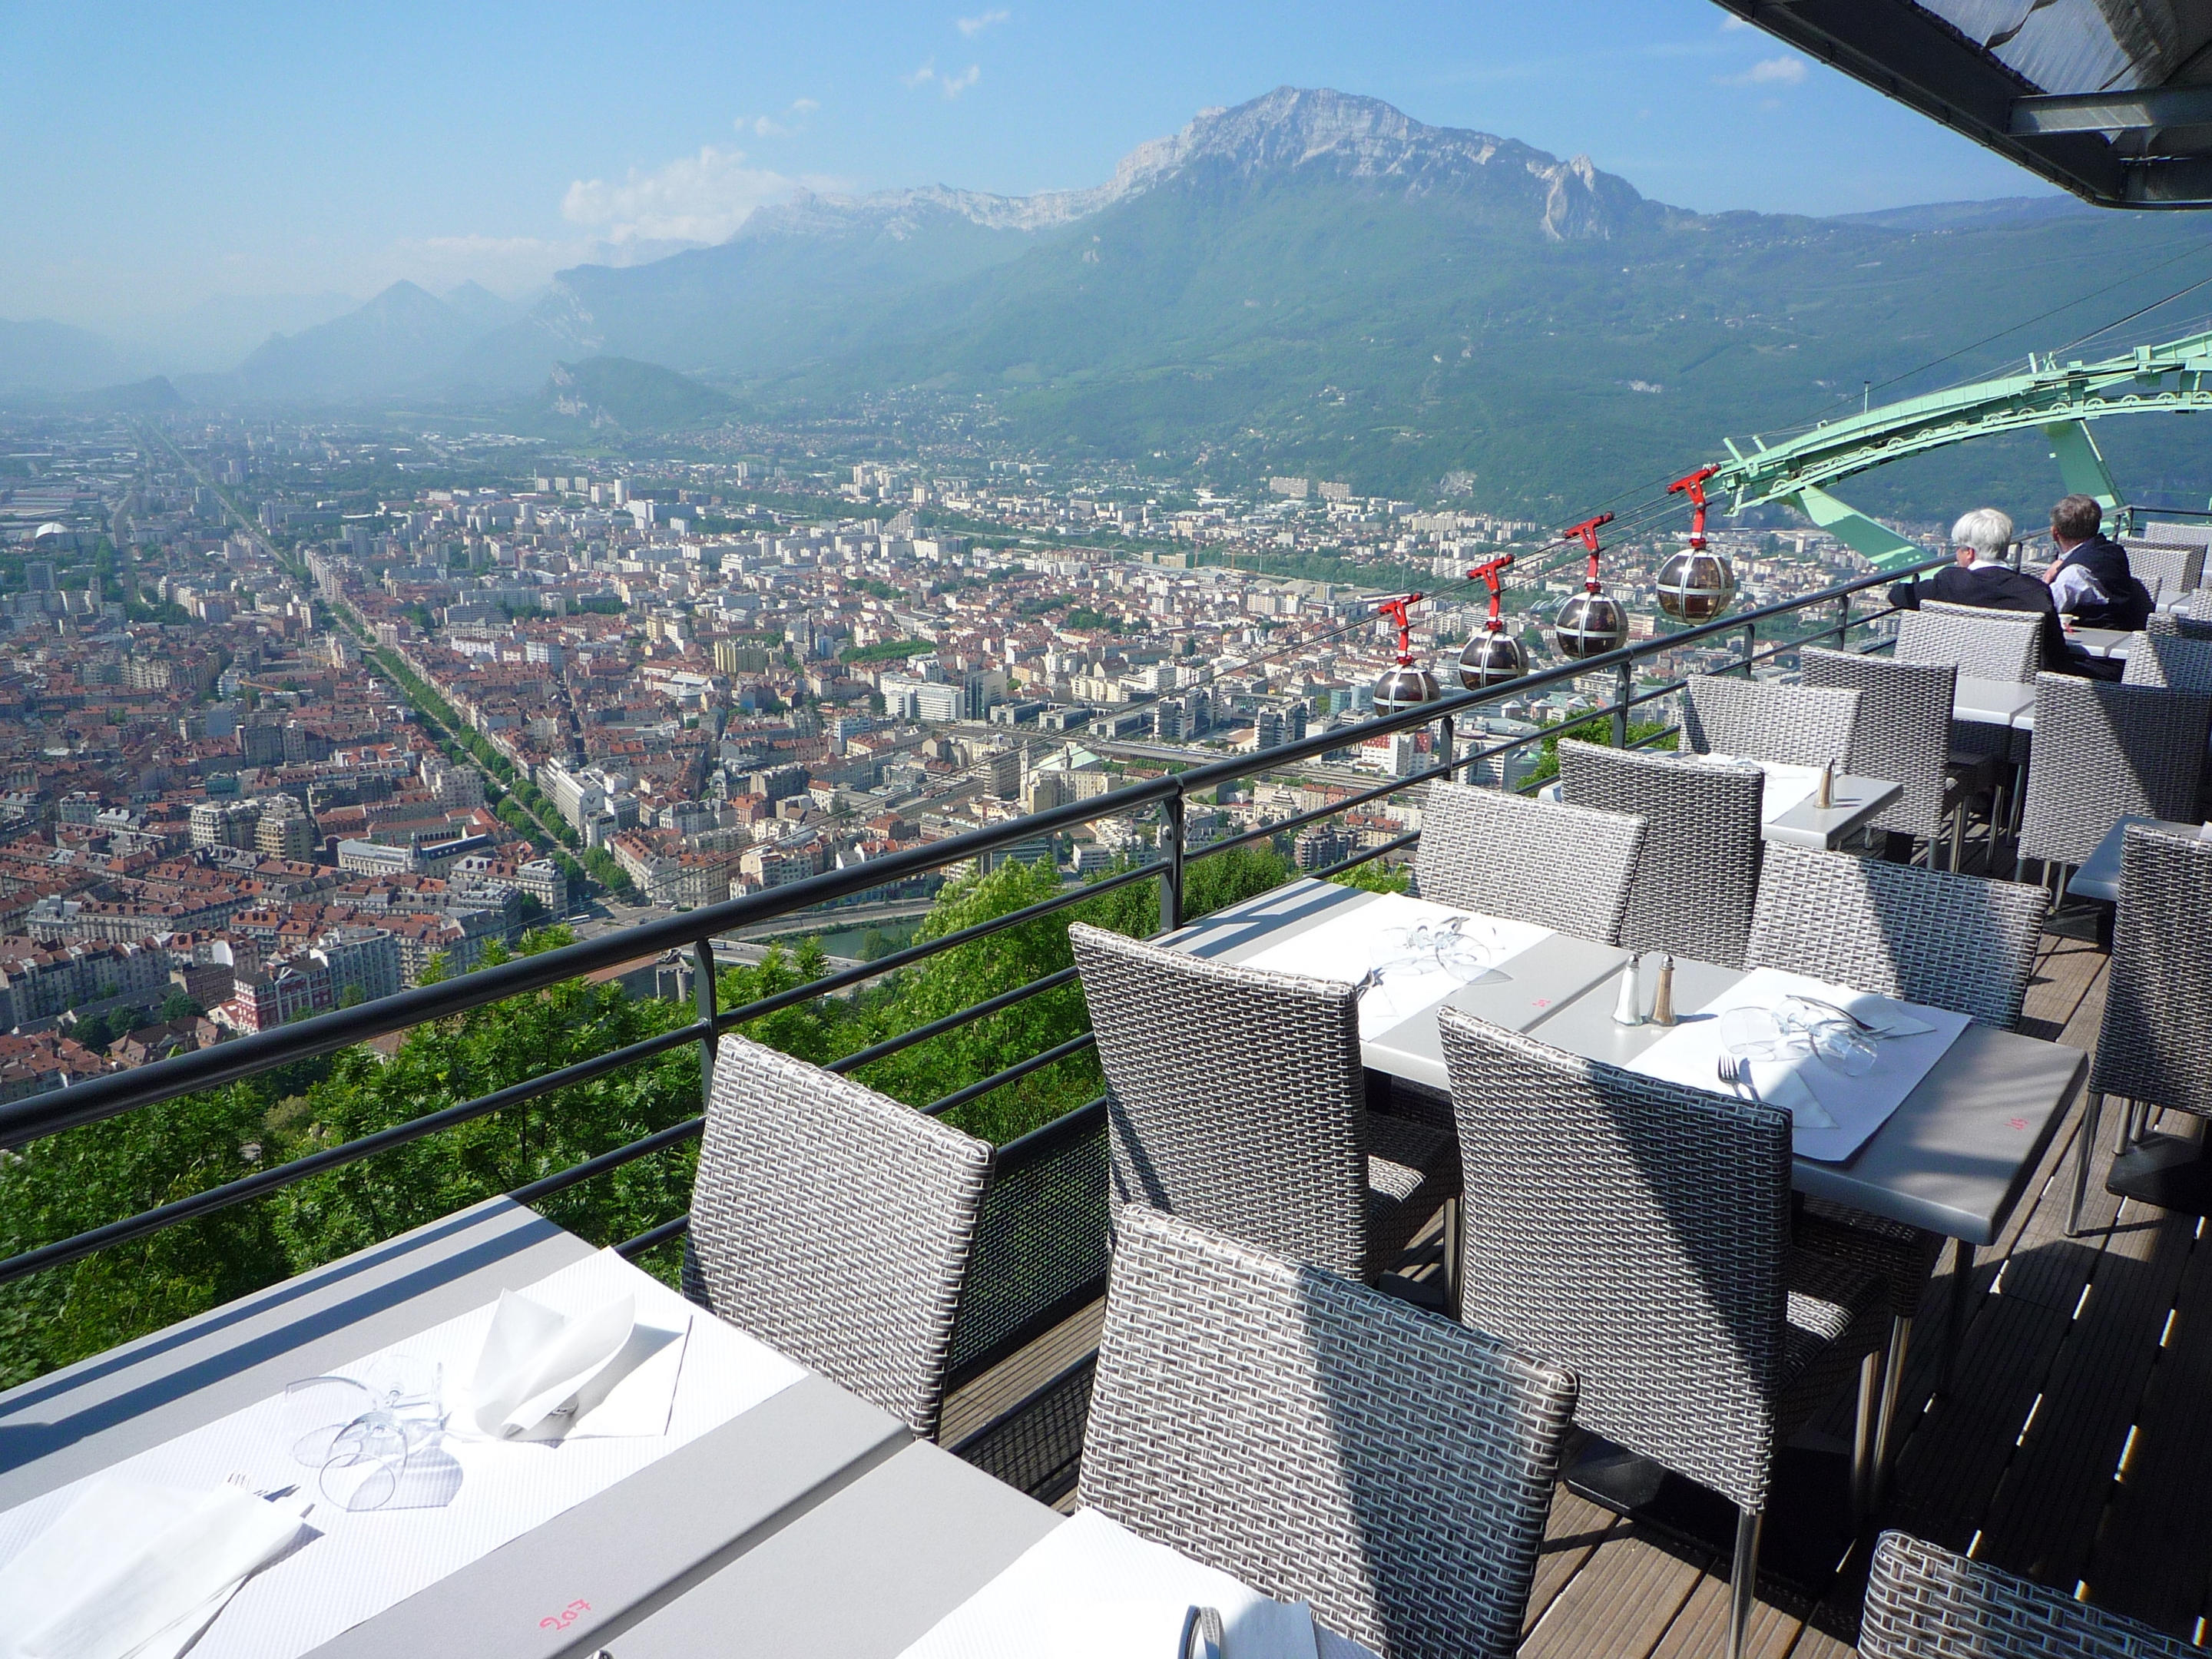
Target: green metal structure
2058 399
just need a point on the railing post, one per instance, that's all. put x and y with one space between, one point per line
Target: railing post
1444 744
1750 647
1843 628
1623 688
702 993
1171 864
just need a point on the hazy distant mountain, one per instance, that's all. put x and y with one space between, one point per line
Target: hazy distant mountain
218 331
1976 216
153 396
405 337
479 306
53 357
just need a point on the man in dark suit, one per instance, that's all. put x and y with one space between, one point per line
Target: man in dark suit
2090 580
1981 577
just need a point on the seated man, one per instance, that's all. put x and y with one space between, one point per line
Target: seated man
2090 580
1981 577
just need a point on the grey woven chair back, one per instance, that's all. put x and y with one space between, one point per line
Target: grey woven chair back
1698 875
2156 565
1925 1602
835 1224
2104 752
2170 660
1322 1441
1761 720
2158 997
1235 1095
1904 731
1567 868
1981 644
1957 942
1634 1231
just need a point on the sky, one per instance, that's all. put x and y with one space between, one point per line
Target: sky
160 157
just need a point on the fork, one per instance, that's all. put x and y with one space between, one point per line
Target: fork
1736 1073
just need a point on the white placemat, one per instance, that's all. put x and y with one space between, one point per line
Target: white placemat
1690 1054
1340 949
1091 1574
1786 786
357 1564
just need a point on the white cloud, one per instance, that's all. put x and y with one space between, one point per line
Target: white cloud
694 198
950 85
1767 72
974 25
767 126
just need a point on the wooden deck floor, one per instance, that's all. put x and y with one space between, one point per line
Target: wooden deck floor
2074 1450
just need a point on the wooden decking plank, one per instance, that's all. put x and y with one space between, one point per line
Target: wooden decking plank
1573 1534
2043 1520
1814 1642
1700 1628
2150 1558
1619 1605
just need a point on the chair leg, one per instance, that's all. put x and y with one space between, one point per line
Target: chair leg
1958 836
1743 1580
2091 1110
1885 1433
1451 1257
1864 1431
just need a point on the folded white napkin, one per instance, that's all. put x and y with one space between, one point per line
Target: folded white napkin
133 1568
1779 1083
535 1363
1889 1025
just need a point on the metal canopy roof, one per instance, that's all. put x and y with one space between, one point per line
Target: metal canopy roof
2109 99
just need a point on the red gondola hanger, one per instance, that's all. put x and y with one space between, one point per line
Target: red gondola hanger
1694 487
1395 610
1494 656
1487 573
1592 622
1405 686
1587 530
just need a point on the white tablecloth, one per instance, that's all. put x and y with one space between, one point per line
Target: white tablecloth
1690 1054
1342 949
355 1564
1089 1573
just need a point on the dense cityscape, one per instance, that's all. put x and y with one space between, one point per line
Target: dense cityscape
289 727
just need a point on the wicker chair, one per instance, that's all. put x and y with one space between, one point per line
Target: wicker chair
2166 570
2158 1006
1322 1442
2189 616
1903 735
1235 1098
2177 663
1924 1602
835 1224
1761 720
1926 936
1981 644
1637 1232
1699 872
2104 752
1567 868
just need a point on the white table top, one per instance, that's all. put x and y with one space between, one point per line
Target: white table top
1992 702
660 1528
2100 642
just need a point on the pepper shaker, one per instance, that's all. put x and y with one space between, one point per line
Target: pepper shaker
1662 997
1827 796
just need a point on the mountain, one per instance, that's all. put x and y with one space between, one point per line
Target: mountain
1311 283
40 356
154 397
479 306
619 392
405 337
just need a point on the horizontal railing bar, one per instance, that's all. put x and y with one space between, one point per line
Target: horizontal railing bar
1045 1139
630 1248
828 983
890 1046
264 1181
1014 1073
577 1173
1366 857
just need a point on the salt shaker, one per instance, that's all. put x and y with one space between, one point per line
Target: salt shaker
1629 1009
1662 996
1827 796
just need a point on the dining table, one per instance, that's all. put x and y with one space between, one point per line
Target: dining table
1793 815
1952 1158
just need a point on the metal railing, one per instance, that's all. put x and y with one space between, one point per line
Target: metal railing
1064 1160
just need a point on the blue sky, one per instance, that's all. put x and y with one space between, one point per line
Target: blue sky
159 155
